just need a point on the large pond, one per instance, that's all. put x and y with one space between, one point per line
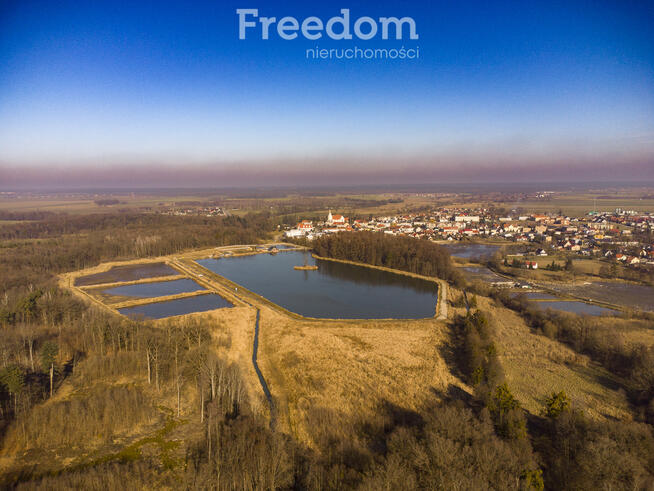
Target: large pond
155 289
181 306
470 251
131 272
334 290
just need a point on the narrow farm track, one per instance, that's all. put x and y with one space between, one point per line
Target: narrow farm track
262 380
207 281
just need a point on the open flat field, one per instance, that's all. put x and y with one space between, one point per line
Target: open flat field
316 206
577 204
82 206
346 203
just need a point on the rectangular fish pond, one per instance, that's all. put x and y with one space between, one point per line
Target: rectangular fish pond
154 289
628 294
575 307
130 272
181 306
335 290
535 296
470 251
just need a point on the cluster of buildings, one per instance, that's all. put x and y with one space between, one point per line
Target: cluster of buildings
333 224
207 211
612 234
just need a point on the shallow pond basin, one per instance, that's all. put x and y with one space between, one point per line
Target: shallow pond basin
181 306
470 251
334 290
155 289
536 296
131 272
627 294
575 307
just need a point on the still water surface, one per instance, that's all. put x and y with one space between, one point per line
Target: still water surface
181 306
130 272
335 290
575 307
470 251
156 289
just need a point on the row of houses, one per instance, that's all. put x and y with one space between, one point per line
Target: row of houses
590 235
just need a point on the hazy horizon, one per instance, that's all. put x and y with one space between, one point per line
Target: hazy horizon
163 94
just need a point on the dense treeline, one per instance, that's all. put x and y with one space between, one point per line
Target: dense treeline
62 224
65 243
107 202
453 449
478 360
403 253
25 215
477 352
579 453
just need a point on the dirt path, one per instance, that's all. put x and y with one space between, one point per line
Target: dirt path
262 380
208 281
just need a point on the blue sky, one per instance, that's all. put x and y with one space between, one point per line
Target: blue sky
99 86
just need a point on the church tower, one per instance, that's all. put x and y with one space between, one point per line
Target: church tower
329 217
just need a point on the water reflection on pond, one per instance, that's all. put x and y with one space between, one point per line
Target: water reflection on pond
627 294
130 272
469 251
155 289
334 290
181 306
575 307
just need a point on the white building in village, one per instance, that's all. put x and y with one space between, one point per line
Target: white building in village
335 219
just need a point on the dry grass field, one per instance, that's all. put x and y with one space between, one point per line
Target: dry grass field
344 371
536 366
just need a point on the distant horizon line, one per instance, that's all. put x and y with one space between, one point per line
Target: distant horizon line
558 185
